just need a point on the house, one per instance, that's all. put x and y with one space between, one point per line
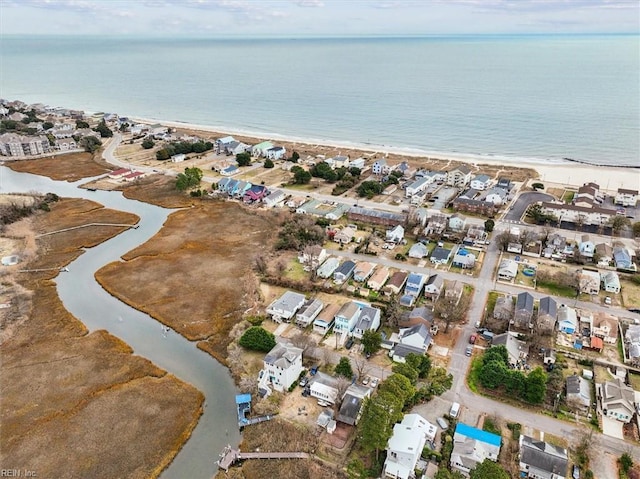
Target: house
586 247
549 356
481 182
276 153
632 342
433 287
352 401
626 197
260 150
395 235
241 188
418 186
524 310
459 177
567 319
405 446
324 387
325 320
436 225
312 257
471 446
464 259
588 195
589 281
236 147
308 312
507 270
547 315
379 278
380 167
453 291
363 271
254 193
345 235
396 282
274 198
221 143
286 306
503 310
622 258
541 460
369 320
440 255
616 400
66 144
495 196
610 282
418 316
585 215
417 337
283 365
604 254
346 318
229 170
344 272
180 157
406 169
418 250
605 326
415 283
327 268
517 350
457 223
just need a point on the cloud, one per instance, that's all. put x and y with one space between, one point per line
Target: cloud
309 3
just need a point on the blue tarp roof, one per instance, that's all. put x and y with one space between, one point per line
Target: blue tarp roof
243 398
478 434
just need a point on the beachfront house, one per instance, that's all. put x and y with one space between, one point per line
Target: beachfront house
276 153
405 446
283 365
260 150
626 197
381 167
481 182
285 307
459 176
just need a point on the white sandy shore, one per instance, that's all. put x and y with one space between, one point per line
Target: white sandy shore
561 173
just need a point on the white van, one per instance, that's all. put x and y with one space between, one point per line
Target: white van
455 410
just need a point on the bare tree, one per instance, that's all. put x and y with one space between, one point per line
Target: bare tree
310 256
503 240
303 341
393 312
361 367
527 236
450 309
342 385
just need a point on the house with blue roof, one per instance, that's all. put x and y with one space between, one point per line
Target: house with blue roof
230 170
415 283
622 257
471 446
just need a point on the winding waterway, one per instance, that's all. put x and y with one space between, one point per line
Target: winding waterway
97 309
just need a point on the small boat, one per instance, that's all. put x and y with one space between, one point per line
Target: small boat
91 189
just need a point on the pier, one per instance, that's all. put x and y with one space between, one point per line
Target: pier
230 456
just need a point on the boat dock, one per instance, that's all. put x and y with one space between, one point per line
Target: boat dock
230 456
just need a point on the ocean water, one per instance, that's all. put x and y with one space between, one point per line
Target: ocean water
535 97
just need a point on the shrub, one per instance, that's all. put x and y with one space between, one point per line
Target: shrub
257 338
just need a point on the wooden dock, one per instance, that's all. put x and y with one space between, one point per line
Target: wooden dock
229 456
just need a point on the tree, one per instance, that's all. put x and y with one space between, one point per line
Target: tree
375 425
451 309
148 143
303 341
268 163
496 353
243 159
618 223
369 189
444 473
489 225
47 125
626 462
299 231
189 179
295 156
356 469
636 229
398 385
493 374
163 154
300 176
537 186
393 311
103 129
504 239
257 338
438 381
371 341
535 386
343 368
407 371
362 367
90 143
420 363
80 124
488 469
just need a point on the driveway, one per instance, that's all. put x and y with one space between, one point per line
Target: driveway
522 203
612 427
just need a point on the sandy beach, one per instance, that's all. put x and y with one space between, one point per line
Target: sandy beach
554 172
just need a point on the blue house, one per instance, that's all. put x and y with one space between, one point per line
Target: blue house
415 283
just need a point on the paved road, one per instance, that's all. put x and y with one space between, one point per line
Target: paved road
521 204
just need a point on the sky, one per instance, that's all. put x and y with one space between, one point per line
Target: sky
316 17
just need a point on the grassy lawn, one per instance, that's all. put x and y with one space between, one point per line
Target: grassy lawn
634 379
567 196
556 289
491 302
630 293
295 271
522 280
472 379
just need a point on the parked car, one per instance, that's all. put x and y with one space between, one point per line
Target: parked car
472 339
455 410
313 370
442 423
607 300
374 382
468 351
349 343
365 381
576 472
303 382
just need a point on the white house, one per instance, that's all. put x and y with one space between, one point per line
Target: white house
261 149
496 196
589 281
471 446
324 387
286 306
276 153
368 320
418 186
456 223
610 282
380 167
327 268
312 257
459 177
283 365
309 311
417 337
405 446
395 235
379 278
616 400
626 197
586 247
481 182
274 199
418 250
178 158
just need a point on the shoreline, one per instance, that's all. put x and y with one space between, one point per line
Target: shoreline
566 171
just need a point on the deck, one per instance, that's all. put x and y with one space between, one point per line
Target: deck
229 456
